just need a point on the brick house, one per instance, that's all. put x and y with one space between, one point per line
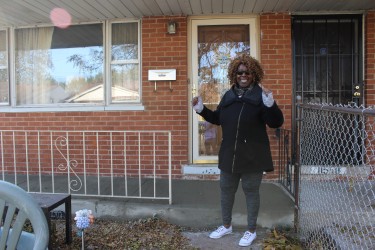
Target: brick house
85 65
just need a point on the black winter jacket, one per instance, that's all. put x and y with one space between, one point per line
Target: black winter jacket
245 145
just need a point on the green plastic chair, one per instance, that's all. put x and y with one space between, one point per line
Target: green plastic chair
16 206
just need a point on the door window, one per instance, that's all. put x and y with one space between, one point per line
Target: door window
215 45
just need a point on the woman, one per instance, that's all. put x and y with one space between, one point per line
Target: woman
243 113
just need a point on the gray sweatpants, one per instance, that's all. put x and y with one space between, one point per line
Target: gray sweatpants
250 186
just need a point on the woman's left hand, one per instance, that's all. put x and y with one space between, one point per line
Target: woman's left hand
267 96
265 90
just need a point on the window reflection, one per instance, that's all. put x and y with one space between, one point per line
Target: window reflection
55 65
4 82
67 65
210 137
125 64
217 44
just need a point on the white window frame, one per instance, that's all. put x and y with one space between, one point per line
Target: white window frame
6 66
109 62
11 107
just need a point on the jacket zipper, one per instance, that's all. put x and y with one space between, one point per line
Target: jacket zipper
235 142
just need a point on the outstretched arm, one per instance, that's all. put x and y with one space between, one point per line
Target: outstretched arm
207 114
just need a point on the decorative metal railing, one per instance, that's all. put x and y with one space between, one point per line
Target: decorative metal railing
287 165
124 164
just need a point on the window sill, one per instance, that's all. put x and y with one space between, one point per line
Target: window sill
132 107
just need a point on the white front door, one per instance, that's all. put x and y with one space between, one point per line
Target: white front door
214 43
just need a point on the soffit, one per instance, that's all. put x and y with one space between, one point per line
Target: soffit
30 12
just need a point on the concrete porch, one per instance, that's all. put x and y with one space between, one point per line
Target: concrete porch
196 204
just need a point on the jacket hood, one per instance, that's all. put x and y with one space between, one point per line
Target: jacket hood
254 96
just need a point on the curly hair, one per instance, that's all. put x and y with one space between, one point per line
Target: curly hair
251 64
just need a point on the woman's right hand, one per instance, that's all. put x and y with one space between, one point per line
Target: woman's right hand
197 104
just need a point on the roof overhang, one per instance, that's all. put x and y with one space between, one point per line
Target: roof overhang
24 12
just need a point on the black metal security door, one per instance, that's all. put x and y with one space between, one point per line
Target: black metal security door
328 59
328 67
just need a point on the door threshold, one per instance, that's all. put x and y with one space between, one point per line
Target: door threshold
200 169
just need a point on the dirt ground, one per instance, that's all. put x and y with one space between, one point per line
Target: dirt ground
151 233
109 234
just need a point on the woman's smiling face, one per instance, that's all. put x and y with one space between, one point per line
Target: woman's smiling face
244 77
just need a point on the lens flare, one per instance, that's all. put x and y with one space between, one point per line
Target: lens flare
60 18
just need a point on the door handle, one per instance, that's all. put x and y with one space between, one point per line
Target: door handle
357 92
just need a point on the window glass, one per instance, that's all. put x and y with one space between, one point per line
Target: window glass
124 64
59 65
4 82
66 66
125 82
124 41
217 44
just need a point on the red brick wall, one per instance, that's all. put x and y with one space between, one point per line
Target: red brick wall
276 59
167 110
370 59
164 110
370 74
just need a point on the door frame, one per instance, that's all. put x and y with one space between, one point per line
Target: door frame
193 23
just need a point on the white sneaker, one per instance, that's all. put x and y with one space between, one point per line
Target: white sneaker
220 232
247 239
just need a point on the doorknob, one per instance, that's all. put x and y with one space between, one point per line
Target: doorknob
357 92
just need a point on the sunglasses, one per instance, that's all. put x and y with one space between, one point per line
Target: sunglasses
240 73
